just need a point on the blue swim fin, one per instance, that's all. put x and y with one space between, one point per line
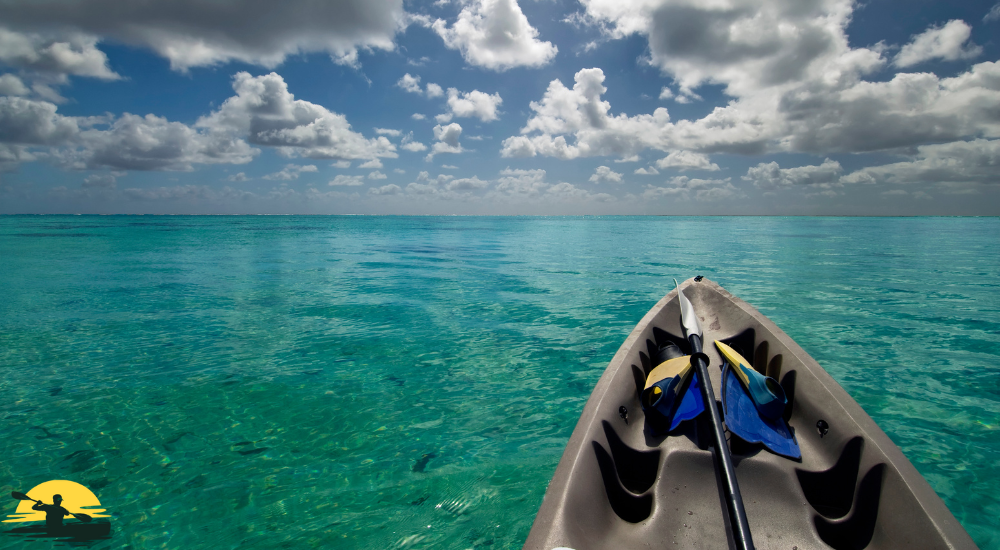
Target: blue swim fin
691 404
672 391
745 421
767 394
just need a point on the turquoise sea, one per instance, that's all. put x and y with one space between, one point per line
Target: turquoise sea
410 382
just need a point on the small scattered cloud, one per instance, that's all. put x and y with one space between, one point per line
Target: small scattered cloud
373 163
291 172
449 167
417 116
447 140
770 176
433 90
603 174
993 14
391 189
238 177
687 160
376 175
342 164
947 42
346 181
388 132
473 104
649 171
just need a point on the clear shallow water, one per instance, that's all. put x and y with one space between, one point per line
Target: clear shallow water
382 382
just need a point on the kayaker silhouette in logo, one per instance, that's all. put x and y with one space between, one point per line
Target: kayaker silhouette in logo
32 510
54 513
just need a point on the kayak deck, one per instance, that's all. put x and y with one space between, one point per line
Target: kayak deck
620 485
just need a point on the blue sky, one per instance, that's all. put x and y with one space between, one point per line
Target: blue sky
500 107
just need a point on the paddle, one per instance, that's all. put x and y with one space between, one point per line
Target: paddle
21 496
734 501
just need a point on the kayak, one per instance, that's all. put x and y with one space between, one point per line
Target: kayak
812 469
79 532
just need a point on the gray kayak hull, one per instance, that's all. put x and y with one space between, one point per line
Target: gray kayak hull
618 485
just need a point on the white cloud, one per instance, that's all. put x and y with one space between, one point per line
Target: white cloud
102 181
291 172
433 90
975 162
391 189
443 118
342 164
650 171
993 14
269 114
399 170
474 104
466 184
665 93
771 176
815 117
414 146
346 181
408 144
683 187
567 192
447 140
373 163
28 122
603 174
686 160
449 167
388 132
496 35
417 116
376 175
946 42
409 83
197 34
72 54
523 183
238 177
12 85
633 158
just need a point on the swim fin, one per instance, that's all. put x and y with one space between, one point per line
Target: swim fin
745 421
768 396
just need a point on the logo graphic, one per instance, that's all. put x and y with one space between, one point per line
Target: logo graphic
61 509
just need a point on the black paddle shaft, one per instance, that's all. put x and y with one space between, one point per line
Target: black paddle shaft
734 501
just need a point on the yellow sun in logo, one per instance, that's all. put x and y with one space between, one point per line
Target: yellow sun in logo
77 499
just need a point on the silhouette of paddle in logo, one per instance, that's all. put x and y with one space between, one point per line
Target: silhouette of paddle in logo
33 510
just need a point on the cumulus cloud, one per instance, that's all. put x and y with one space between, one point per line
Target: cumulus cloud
291 172
522 183
771 176
373 163
73 54
447 140
391 189
581 112
12 85
346 181
603 174
388 132
650 171
519 186
687 160
238 177
265 111
815 117
417 116
342 164
947 42
683 187
433 90
408 144
474 104
466 184
196 34
496 35
101 181
376 175
744 46
949 164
